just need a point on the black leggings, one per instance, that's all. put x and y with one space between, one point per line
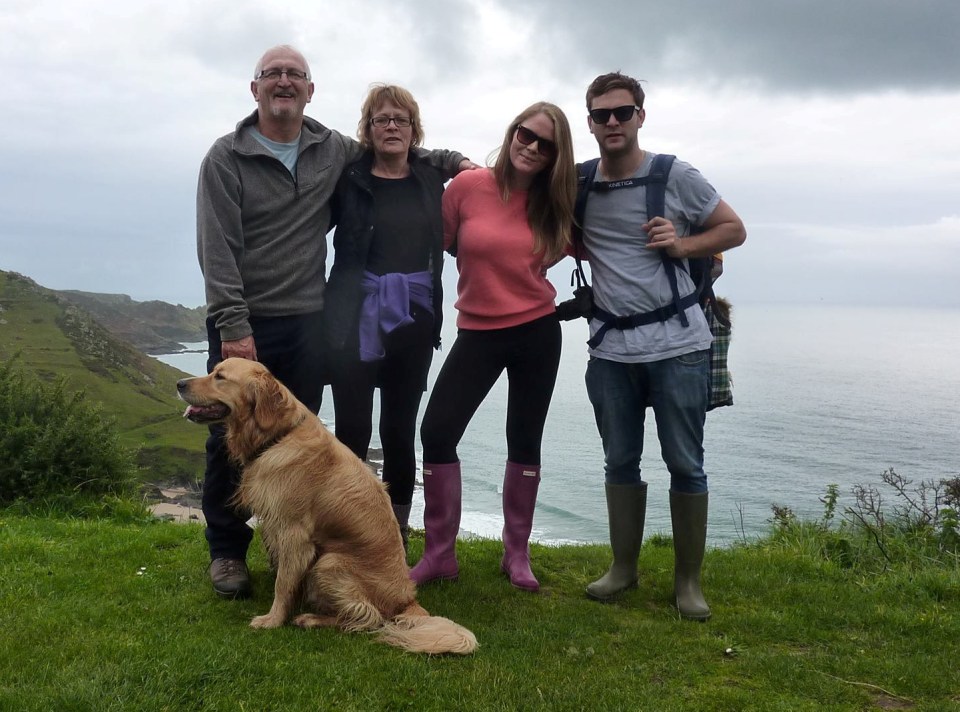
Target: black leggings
530 353
402 377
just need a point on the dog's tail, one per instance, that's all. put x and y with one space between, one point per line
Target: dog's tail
416 631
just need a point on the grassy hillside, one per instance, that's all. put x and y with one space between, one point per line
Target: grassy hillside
99 615
54 338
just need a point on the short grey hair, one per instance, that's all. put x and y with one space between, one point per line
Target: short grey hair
287 48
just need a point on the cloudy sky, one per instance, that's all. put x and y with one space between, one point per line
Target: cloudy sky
831 127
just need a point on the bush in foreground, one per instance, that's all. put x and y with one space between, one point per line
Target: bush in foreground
58 452
919 525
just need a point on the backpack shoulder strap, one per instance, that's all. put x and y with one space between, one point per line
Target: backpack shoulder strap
657 185
699 267
657 208
586 172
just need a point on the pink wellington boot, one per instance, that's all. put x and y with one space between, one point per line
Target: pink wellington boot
520 485
441 523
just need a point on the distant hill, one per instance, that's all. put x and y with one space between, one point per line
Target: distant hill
152 327
55 336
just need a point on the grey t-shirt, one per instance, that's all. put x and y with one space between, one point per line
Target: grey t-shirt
630 279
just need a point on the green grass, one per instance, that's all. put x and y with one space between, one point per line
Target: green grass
56 340
101 615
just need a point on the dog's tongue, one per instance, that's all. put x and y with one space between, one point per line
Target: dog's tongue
206 413
195 410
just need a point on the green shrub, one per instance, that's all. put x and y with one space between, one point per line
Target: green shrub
918 526
56 445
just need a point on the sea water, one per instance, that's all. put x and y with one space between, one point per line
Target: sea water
823 395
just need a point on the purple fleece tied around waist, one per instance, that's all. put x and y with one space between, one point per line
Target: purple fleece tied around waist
386 306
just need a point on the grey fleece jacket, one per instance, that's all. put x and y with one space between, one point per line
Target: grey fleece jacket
261 232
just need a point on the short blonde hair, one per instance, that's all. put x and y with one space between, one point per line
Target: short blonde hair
380 94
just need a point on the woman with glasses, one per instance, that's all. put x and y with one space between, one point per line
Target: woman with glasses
382 306
506 225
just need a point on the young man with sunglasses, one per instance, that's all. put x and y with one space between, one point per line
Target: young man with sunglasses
663 364
263 211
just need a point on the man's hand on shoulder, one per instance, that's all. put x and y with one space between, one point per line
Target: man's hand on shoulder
240 348
467 165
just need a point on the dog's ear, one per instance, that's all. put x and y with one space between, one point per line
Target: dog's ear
244 435
273 406
266 411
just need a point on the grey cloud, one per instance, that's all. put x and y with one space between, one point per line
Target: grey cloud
444 29
440 32
99 174
225 36
779 45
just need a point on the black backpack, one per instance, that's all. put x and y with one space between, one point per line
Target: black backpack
703 272
701 269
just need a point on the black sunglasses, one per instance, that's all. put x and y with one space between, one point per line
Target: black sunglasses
545 147
620 113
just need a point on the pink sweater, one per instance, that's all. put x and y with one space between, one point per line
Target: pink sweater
502 283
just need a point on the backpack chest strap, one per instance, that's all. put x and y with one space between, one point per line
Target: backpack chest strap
611 321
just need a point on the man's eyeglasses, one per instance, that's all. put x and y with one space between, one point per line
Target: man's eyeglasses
273 75
545 147
620 113
381 121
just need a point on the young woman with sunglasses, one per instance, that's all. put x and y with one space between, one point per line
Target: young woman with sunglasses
505 225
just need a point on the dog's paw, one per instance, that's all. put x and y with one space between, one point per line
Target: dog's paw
309 620
266 621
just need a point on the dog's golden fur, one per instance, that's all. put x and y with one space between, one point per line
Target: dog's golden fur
325 520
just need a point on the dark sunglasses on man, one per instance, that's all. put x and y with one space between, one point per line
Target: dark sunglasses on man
620 113
545 147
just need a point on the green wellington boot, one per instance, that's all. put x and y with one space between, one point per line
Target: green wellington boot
626 511
688 512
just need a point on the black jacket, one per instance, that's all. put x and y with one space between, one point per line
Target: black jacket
353 216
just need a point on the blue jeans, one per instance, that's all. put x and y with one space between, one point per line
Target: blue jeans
677 390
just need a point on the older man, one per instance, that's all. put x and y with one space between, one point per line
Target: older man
263 210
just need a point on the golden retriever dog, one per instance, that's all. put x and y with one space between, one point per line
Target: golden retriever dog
324 518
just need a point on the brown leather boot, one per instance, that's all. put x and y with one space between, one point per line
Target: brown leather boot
230 578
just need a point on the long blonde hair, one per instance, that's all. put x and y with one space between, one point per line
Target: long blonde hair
553 191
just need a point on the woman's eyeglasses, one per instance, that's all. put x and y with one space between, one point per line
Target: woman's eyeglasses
620 113
545 147
381 121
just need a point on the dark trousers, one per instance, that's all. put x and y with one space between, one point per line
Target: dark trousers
290 347
530 354
401 377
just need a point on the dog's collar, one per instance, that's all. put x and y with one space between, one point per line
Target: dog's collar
270 443
263 448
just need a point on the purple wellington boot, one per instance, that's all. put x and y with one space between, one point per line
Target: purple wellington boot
441 523
520 485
